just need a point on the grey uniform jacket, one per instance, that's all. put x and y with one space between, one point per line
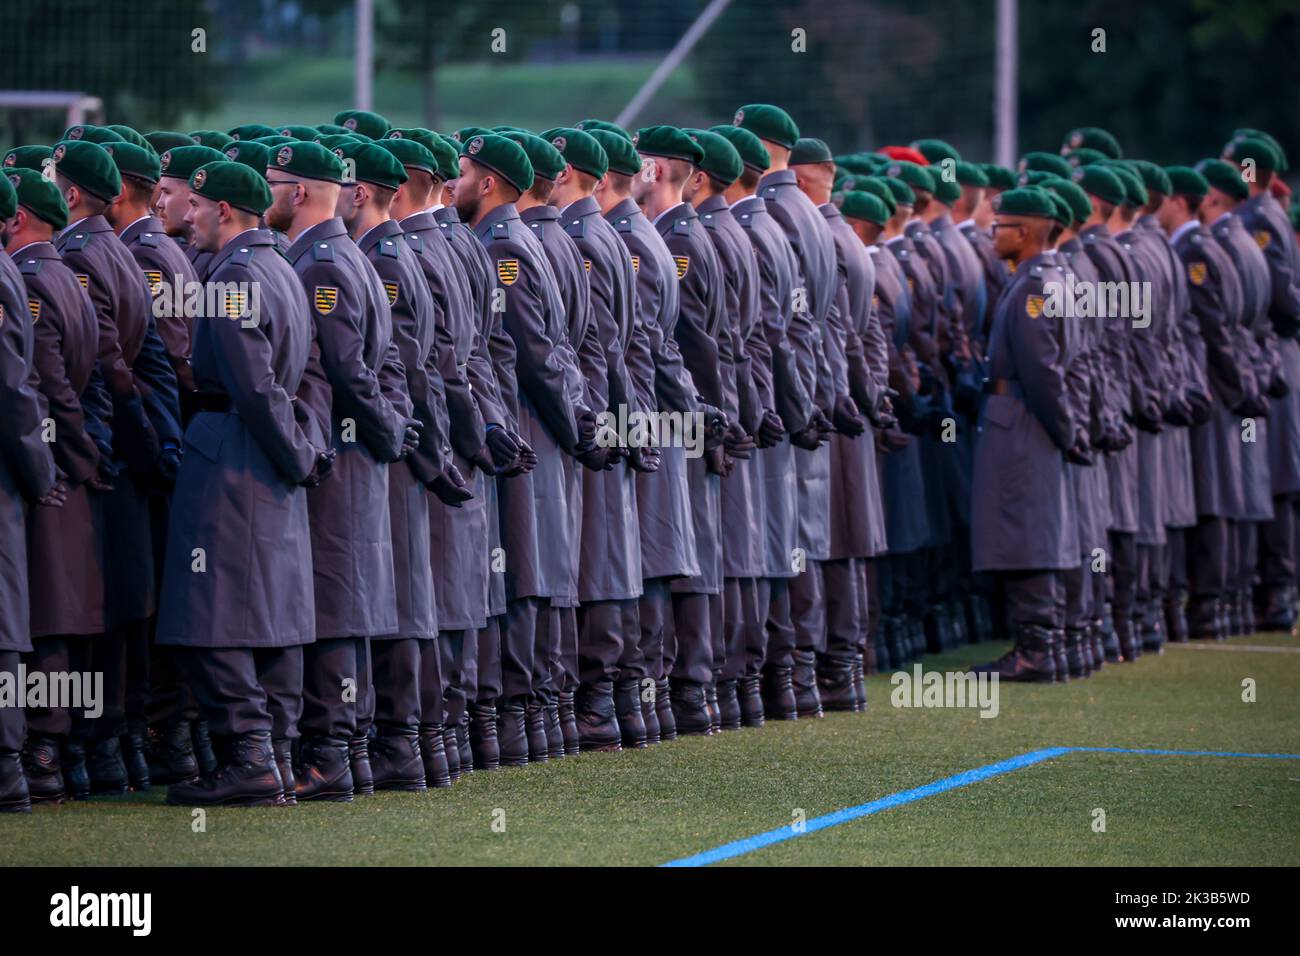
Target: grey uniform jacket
165 266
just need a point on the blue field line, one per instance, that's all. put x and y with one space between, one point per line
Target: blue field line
757 842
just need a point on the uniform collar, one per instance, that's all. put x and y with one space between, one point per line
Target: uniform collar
683 210
967 222
582 208
777 177
328 229
712 204
418 221
542 213
624 209
247 238
502 213
145 223
1184 229
89 224
40 249
376 232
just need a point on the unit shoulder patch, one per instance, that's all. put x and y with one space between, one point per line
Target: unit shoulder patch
683 265
84 279
1196 271
1034 305
391 288
508 271
326 297
1263 238
636 263
34 307
154 278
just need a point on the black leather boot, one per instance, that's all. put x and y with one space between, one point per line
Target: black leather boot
535 724
106 767
778 693
248 777
1030 660
1247 611
1278 609
482 739
137 767
14 795
1202 619
749 694
363 780
1176 616
664 709
729 704
627 710
649 715
598 728
898 647
835 684
936 629
323 771
512 732
916 634
1076 660
1098 644
1153 628
169 749
76 779
691 709
466 752
204 752
957 622
1059 656
283 750
451 747
554 733
40 760
395 762
860 681
711 702
433 754
569 724
808 702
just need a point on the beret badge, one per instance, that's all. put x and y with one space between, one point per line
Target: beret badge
200 177
284 155
475 145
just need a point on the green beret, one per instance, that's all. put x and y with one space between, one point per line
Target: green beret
131 136
751 149
334 140
298 131
1153 177
580 150
864 205
1063 214
809 150
43 198
1250 147
619 149
364 122
1032 177
591 125
309 160
132 160
273 141
918 177
212 138
371 164
721 161
1185 181
903 195
330 129
946 191
768 122
446 155
253 154
91 134
546 159
1092 137
858 165
411 154
669 142
1100 181
1135 194
8 199
1224 177
252 131
89 166
241 186
1085 156
999 177
466 133
1240 134
164 139
504 157
180 161
970 174
1025 201
1044 162
27 157
878 188
935 150
1074 197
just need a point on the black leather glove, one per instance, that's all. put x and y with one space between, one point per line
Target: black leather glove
587 425
410 438
320 471
715 426
1278 386
450 487
1178 412
502 446
738 443
770 429
1078 452
644 459
846 418
596 458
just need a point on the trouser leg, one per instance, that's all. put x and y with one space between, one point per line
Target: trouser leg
330 688
49 655
225 684
780 628
395 666
600 640
655 612
13 724
844 613
808 608
519 646
755 612
692 626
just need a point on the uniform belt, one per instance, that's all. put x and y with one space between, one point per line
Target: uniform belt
210 402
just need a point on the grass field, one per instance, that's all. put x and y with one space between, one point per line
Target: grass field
682 798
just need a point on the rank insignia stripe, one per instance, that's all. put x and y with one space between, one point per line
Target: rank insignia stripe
84 280
1196 272
683 265
154 278
1034 305
34 307
327 296
391 289
636 263
508 271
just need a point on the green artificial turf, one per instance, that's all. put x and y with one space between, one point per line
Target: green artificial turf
681 798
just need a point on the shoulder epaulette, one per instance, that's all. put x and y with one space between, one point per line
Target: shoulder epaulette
415 241
682 227
501 230
710 221
746 219
242 256
322 252
576 228
29 267
390 249
149 239
623 225
77 242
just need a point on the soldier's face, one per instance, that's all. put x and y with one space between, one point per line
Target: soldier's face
1008 236
204 221
468 194
280 215
173 205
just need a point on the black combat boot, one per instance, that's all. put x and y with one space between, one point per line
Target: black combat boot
433 753
283 749
1278 609
1059 656
1247 611
1109 638
482 739
598 728
728 704
664 709
1202 619
323 771
512 732
1077 659
711 702
627 710
1153 628
14 795
691 709
106 767
76 780
808 702
465 750
898 647
916 636
554 732
451 747
248 777
1176 616
649 714
957 622
169 748
535 728
1030 660
860 681
835 683
42 768
395 761
363 780
569 724
749 693
1097 637
778 693
133 755
204 752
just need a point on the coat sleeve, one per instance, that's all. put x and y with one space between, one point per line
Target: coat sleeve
698 349
26 456
1035 347
1206 300
75 452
